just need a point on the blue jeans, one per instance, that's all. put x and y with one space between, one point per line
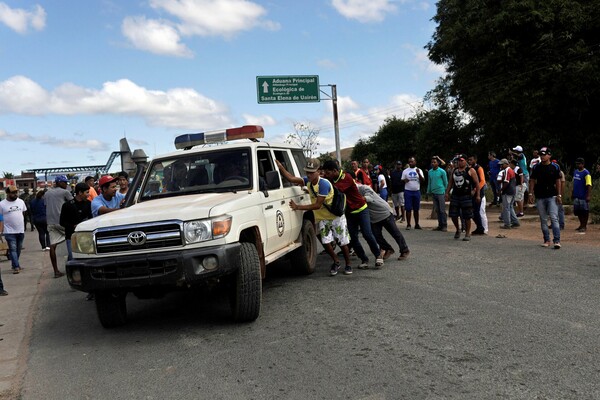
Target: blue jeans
363 221
69 250
383 193
15 244
439 205
547 207
561 216
509 217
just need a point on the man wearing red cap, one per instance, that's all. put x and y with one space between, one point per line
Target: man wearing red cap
109 200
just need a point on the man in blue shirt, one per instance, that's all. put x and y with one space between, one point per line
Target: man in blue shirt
582 191
109 200
437 183
493 171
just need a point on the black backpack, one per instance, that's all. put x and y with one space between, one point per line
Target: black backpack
338 203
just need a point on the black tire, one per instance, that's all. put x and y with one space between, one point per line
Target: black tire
112 308
304 259
246 289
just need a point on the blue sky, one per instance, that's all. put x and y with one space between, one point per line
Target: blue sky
76 76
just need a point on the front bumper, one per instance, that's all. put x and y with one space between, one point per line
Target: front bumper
169 269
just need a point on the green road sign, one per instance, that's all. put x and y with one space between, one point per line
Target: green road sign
288 89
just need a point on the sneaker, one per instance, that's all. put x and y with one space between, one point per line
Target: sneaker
439 228
89 297
515 225
352 253
546 244
3 292
378 263
520 214
348 270
505 227
444 229
557 245
47 249
401 219
363 265
15 270
457 235
478 232
334 269
388 253
467 238
408 227
404 255
417 226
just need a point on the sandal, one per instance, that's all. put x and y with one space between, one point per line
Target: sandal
58 274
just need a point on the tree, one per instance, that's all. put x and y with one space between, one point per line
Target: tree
527 72
305 136
8 175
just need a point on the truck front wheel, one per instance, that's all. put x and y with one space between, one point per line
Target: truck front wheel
304 259
246 290
112 308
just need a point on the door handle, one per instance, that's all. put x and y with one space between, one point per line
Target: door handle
270 206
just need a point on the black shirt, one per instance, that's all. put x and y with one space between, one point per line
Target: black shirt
72 213
545 180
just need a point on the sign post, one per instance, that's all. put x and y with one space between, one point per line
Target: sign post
288 89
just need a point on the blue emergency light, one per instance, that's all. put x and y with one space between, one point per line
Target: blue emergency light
190 140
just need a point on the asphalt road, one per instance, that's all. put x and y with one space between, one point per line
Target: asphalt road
488 319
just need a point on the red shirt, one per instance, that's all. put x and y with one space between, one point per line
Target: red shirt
354 200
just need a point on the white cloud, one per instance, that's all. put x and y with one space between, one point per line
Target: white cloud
192 18
215 17
327 64
364 11
182 108
90 144
158 37
425 64
262 120
20 20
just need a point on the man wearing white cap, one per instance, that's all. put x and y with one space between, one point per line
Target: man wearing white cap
519 156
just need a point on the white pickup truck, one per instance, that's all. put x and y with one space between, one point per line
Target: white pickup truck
215 214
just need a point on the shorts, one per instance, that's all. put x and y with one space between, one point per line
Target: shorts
398 199
581 207
334 230
520 193
412 200
57 234
461 206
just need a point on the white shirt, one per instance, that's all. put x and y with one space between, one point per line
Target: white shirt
381 181
413 175
12 212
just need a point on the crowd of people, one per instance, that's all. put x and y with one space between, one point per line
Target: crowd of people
55 213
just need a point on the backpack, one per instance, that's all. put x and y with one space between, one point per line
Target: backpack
338 203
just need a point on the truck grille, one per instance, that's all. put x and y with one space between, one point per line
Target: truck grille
138 237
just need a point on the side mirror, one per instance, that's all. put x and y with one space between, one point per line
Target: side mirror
273 180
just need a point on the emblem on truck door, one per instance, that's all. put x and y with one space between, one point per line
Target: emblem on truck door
136 238
280 223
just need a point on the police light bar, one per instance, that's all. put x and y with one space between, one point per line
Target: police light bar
190 140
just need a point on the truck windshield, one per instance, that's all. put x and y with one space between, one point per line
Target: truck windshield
214 171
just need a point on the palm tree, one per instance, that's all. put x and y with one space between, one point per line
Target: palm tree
8 175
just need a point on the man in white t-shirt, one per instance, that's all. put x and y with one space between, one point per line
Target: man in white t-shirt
12 226
412 176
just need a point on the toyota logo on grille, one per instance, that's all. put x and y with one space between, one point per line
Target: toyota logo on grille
136 238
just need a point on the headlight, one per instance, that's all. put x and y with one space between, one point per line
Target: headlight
197 231
206 229
83 242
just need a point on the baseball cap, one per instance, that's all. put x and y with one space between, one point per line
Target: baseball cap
518 148
312 165
545 150
11 188
378 166
580 160
61 178
504 161
398 162
106 179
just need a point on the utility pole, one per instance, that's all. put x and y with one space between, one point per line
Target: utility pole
333 97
